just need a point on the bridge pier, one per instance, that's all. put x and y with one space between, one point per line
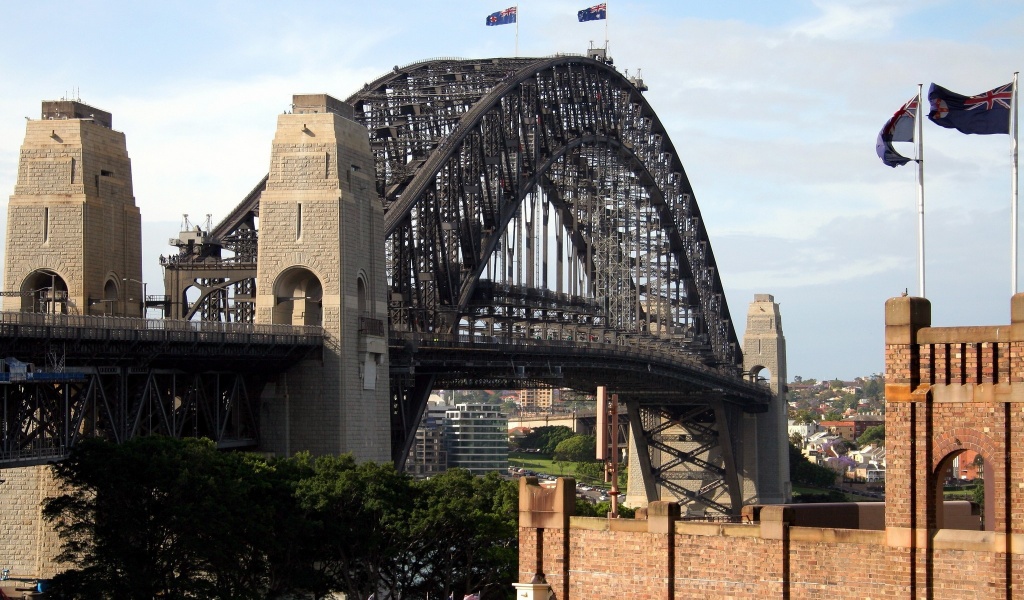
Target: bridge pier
321 262
764 436
74 234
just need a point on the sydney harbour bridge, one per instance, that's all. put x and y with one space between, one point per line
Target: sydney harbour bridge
539 230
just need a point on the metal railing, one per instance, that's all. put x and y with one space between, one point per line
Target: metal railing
28 324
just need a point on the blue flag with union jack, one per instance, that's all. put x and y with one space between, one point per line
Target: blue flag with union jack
984 114
594 13
900 128
502 17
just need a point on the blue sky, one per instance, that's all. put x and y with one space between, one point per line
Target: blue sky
773 108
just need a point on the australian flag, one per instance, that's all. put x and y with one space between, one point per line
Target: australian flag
594 13
984 114
900 128
502 17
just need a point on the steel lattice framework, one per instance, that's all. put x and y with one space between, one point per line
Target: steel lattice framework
540 231
117 378
551 174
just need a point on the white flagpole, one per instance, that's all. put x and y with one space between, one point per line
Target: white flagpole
1013 188
920 192
517 31
606 30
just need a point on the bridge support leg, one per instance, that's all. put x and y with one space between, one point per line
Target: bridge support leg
642 489
407 407
725 440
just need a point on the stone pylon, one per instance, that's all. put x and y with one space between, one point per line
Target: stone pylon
765 439
321 262
74 234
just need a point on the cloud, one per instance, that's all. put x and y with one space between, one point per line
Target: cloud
850 19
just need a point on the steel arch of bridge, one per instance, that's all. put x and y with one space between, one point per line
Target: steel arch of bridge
466 150
539 218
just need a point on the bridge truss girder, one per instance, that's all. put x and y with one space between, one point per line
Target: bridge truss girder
690 451
526 199
42 421
550 174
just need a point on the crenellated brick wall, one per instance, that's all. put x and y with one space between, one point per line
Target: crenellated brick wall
948 390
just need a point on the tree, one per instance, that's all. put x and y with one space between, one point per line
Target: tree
872 435
803 417
803 472
383 533
577 449
158 517
546 439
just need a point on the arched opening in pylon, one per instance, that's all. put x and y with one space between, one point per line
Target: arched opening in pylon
298 298
44 291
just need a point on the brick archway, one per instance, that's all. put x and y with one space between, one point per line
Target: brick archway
946 446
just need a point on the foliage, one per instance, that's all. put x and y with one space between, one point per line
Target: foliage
601 509
546 439
825 496
157 517
577 449
874 387
872 435
592 472
803 472
978 493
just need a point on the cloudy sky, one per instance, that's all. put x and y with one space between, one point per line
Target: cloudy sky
772 106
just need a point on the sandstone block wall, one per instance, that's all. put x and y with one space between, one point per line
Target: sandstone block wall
321 254
29 545
73 212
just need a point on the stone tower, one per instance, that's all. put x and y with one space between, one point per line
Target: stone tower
764 357
74 234
321 262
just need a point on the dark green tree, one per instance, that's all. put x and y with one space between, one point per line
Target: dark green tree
803 472
382 532
157 517
546 438
577 449
872 435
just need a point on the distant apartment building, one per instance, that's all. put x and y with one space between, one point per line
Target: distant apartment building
477 437
537 400
428 455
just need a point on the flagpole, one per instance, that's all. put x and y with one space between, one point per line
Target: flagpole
1013 188
517 31
606 30
920 192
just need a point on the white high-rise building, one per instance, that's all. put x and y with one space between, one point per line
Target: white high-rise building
477 438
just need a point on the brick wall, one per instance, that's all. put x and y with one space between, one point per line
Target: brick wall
948 390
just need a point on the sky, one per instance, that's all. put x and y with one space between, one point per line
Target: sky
773 108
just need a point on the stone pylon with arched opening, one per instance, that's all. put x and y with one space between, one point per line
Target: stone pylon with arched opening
321 263
74 233
950 390
764 434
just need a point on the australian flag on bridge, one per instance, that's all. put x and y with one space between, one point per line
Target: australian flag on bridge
986 113
900 128
594 13
502 17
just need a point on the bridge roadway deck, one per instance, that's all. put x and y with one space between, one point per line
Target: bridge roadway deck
648 375
153 343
